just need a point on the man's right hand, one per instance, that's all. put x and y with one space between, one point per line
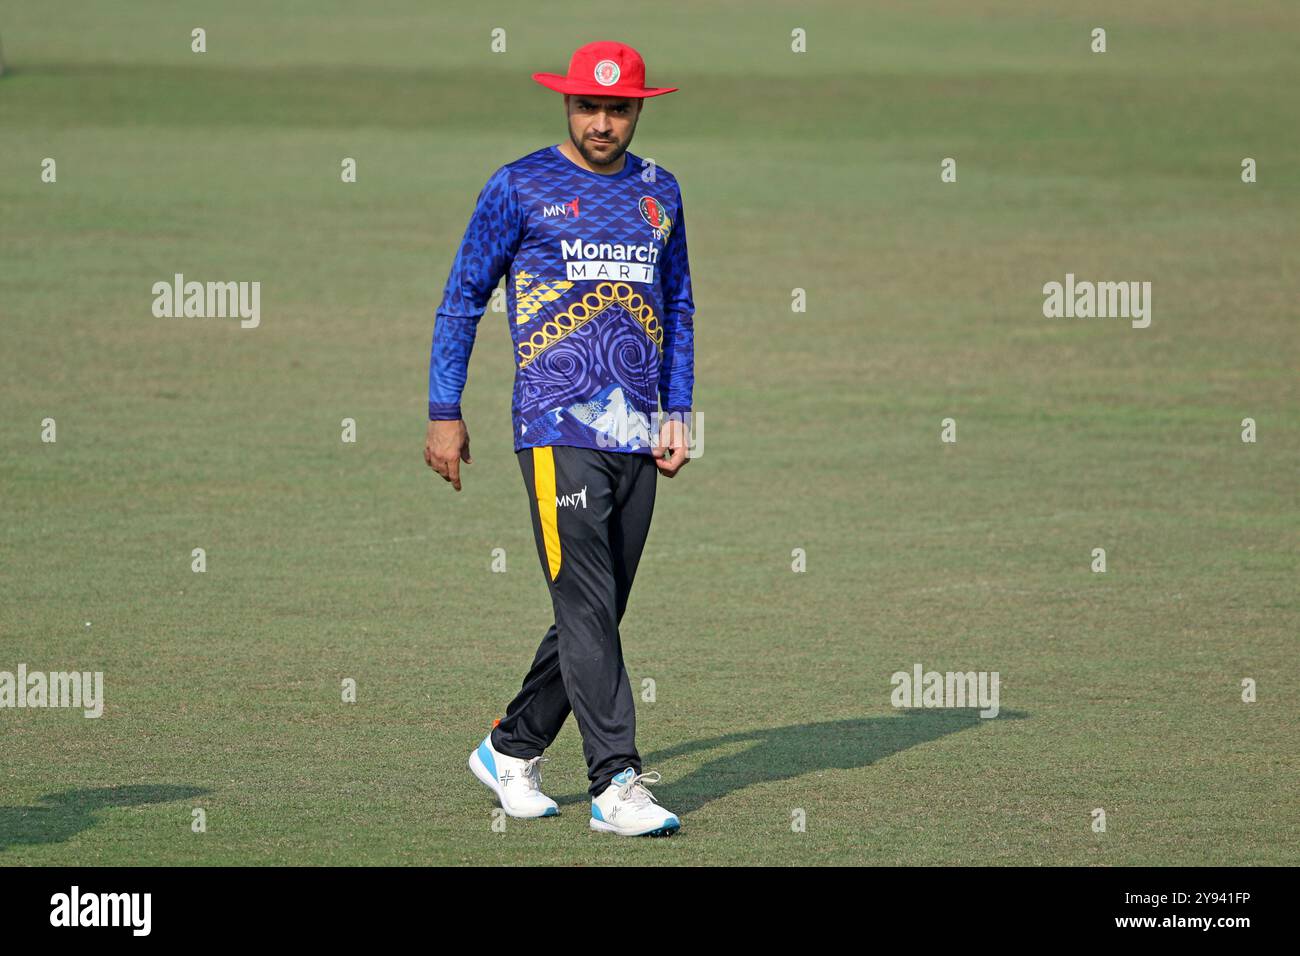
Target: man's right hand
445 445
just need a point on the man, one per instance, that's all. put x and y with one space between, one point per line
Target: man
592 241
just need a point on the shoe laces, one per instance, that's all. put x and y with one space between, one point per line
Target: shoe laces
531 773
635 792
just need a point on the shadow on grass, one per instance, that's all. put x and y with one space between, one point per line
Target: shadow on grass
59 816
783 753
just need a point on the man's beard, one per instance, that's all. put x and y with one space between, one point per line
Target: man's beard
601 159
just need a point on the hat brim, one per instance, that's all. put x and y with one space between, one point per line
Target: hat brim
562 84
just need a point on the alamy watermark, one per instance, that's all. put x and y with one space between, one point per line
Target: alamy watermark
637 430
76 689
1102 300
949 689
209 300
75 908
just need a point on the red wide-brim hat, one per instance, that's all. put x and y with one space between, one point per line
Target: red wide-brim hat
604 68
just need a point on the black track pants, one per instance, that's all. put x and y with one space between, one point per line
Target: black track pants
591 512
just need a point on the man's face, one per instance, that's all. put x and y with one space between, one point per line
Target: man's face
601 127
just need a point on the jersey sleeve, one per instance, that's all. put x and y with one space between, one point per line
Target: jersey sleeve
490 242
677 370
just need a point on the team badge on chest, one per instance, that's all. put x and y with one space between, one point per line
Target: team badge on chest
654 214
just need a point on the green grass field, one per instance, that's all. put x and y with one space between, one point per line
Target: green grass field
819 171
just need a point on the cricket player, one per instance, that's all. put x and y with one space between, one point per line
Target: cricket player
592 242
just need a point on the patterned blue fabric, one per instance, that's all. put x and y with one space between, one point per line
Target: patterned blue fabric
598 300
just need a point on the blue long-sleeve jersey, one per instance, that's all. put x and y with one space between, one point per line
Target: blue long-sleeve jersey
598 298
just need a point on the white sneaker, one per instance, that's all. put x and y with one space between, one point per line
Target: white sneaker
627 808
516 782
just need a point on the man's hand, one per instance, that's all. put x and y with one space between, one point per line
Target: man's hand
673 436
445 446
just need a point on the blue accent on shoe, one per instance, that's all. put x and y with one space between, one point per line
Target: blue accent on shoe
595 812
669 827
551 812
624 777
666 829
485 755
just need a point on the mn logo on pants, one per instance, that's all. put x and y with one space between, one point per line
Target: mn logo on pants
572 500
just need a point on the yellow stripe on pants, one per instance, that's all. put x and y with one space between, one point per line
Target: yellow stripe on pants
544 485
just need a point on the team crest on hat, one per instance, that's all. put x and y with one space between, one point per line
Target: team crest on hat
654 214
603 66
606 72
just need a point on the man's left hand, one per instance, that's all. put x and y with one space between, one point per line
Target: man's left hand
673 437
